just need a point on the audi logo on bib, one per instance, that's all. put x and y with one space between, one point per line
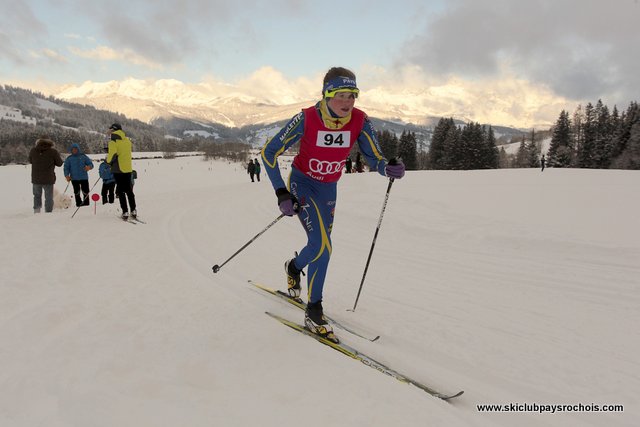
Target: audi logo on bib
325 168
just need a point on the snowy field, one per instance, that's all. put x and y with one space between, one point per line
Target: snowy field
515 286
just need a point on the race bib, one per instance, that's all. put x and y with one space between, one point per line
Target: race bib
333 139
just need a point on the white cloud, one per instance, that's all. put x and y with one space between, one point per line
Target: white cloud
581 50
272 86
105 53
53 55
503 99
49 54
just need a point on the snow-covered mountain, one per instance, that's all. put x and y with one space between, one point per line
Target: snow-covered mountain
210 103
216 103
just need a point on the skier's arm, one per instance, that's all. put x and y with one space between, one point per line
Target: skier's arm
282 141
57 159
370 148
111 152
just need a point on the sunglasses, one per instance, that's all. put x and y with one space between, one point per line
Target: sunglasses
333 92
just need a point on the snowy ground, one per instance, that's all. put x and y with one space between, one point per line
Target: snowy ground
514 285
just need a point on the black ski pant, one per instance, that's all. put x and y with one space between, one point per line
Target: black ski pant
107 192
78 185
125 192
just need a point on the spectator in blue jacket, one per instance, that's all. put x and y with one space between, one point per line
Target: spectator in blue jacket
76 167
108 182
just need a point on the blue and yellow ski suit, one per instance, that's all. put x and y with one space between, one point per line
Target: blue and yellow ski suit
325 143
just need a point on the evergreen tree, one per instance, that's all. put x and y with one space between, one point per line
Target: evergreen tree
388 143
628 139
559 154
603 136
522 155
587 150
451 142
532 151
491 156
578 134
436 155
503 159
407 150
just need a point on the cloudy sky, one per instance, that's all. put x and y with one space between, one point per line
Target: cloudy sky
507 62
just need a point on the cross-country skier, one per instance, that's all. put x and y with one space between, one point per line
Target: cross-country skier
326 132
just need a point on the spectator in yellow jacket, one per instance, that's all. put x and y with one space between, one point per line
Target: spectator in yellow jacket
119 158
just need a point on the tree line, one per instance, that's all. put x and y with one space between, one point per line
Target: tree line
594 137
597 137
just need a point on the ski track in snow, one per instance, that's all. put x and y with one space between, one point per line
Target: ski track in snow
513 285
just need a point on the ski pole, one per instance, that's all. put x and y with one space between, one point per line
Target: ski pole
217 267
65 188
373 244
85 198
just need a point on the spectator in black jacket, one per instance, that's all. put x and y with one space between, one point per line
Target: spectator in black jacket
251 169
44 159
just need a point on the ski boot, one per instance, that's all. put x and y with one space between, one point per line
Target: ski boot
315 322
125 216
293 280
134 214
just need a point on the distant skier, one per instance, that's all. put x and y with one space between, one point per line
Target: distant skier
251 169
257 167
119 158
542 163
76 167
348 165
326 132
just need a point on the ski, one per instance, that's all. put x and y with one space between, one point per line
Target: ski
363 358
125 220
131 220
297 302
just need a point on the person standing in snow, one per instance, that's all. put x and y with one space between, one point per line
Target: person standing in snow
119 158
348 165
251 169
76 167
359 163
108 182
326 132
44 159
257 168
543 161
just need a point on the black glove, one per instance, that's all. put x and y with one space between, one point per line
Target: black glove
287 202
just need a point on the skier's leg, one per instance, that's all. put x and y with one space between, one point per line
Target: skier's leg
316 216
48 197
84 184
76 192
37 197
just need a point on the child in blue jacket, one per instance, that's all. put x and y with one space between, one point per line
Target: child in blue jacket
76 167
108 182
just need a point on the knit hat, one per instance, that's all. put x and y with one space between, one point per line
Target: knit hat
115 126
